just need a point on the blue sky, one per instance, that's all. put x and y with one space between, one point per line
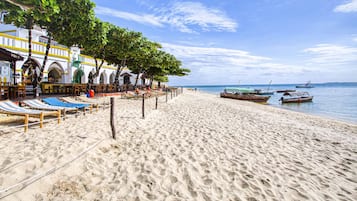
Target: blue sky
245 41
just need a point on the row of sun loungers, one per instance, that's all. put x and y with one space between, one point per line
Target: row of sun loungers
46 107
8 107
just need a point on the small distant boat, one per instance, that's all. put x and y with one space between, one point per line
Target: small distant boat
296 97
307 85
265 92
243 94
285 90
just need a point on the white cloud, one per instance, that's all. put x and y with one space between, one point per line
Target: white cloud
329 54
189 17
347 7
354 39
185 15
213 57
144 19
220 65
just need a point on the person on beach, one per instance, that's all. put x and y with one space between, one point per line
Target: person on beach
148 91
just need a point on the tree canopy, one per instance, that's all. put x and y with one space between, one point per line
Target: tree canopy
73 22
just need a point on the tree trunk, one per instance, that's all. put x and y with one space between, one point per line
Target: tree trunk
48 46
31 67
118 72
136 80
29 58
30 38
40 77
151 81
95 75
137 77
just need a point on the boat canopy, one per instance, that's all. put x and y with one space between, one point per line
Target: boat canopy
238 90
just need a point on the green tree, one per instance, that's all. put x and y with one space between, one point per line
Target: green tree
70 25
162 64
127 43
96 46
27 14
143 57
67 21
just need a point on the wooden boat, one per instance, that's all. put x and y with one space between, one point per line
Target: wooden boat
307 85
296 97
244 94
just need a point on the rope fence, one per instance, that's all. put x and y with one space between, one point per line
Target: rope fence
5 192
144 98
174 92
21 185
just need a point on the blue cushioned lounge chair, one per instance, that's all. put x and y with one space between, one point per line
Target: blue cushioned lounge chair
56 102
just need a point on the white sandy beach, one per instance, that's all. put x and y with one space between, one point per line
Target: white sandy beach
195 147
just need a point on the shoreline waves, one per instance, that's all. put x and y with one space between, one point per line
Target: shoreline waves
195 147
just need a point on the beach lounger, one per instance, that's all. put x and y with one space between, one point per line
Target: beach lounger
39 105
70 100
57 102
8 107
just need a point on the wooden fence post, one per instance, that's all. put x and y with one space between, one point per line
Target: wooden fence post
112 116
64 114
41 119
166 95
26 124
156 102
143 106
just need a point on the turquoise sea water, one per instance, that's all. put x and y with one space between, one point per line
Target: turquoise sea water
332 100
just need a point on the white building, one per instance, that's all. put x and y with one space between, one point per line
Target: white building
64 65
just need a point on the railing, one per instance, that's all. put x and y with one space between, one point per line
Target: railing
21 44
75 89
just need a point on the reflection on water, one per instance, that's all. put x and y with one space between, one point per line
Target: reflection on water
298 106
333 100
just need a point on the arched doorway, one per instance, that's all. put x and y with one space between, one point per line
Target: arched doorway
55 73
78 76
54 76
103 78
126 78
143 78
30 71
112 78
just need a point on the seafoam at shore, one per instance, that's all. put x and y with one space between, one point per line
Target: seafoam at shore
195 147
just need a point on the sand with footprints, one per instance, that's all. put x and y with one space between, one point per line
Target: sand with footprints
195 147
